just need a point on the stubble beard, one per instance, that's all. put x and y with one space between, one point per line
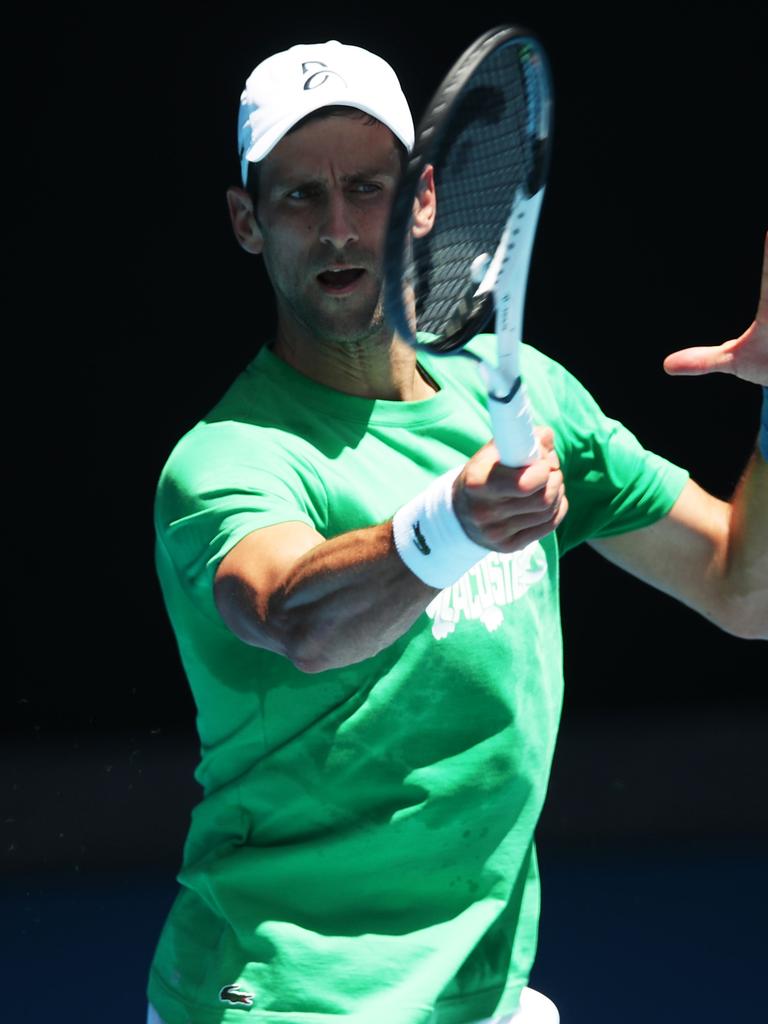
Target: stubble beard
343 327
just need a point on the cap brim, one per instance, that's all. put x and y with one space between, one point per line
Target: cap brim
261 149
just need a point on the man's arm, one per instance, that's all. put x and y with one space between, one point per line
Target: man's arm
713 555
322 604
326 604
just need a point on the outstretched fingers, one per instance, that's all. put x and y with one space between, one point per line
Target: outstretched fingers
745 357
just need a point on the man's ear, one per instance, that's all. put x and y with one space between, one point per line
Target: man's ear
244 223
424 204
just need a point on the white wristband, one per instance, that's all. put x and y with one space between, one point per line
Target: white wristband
429 537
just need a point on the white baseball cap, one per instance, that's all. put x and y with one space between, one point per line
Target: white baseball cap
287 86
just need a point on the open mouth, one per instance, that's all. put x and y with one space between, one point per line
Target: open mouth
342 280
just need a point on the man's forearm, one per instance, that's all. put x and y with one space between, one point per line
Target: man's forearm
346 599
329 603
746 572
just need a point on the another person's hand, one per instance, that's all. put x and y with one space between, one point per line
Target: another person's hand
504 508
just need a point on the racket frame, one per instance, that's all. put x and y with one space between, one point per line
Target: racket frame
502 288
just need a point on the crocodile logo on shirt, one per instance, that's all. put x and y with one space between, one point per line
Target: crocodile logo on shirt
482 593
237 995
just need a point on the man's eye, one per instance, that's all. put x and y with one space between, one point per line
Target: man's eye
304 192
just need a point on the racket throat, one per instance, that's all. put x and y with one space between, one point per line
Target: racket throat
500 388
504 397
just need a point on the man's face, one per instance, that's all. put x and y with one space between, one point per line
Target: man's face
324 197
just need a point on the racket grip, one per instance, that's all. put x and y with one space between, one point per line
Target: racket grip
512 425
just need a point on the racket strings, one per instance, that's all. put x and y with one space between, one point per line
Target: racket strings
485 156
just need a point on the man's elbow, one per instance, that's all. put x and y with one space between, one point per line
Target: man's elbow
312 651
314 643
305 655
306 640
309 635
745 617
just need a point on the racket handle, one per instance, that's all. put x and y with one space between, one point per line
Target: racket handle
513 429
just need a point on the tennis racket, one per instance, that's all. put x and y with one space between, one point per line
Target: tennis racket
486 133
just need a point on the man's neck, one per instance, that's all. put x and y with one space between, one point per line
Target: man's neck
381 367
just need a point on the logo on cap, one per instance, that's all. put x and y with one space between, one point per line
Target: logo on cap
317 78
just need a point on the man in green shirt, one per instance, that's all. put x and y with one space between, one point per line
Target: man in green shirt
375 749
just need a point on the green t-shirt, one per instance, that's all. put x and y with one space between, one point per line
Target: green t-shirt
364 845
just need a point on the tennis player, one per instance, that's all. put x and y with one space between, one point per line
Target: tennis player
375 747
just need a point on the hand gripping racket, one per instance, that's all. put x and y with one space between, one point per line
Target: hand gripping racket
486 133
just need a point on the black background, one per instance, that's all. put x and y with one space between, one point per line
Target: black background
137 308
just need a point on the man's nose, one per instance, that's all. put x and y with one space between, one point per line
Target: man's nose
338 227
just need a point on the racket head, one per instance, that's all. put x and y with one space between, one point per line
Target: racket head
486 133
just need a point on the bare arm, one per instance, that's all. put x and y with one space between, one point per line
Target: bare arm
322 604
326 604
713 555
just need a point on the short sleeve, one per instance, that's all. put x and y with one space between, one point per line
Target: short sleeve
613 483
222 482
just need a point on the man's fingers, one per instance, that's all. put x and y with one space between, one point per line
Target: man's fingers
745 357
515 534
693 362
762 302
546 438
484 472
489 508
499 505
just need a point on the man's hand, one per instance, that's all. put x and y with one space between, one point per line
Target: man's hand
505 508
745 357
713 555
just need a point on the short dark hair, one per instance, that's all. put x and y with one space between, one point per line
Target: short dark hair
338 110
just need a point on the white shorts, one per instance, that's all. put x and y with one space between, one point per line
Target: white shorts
534 1009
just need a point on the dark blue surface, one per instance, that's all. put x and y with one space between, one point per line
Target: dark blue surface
650 934
77 947
654 934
